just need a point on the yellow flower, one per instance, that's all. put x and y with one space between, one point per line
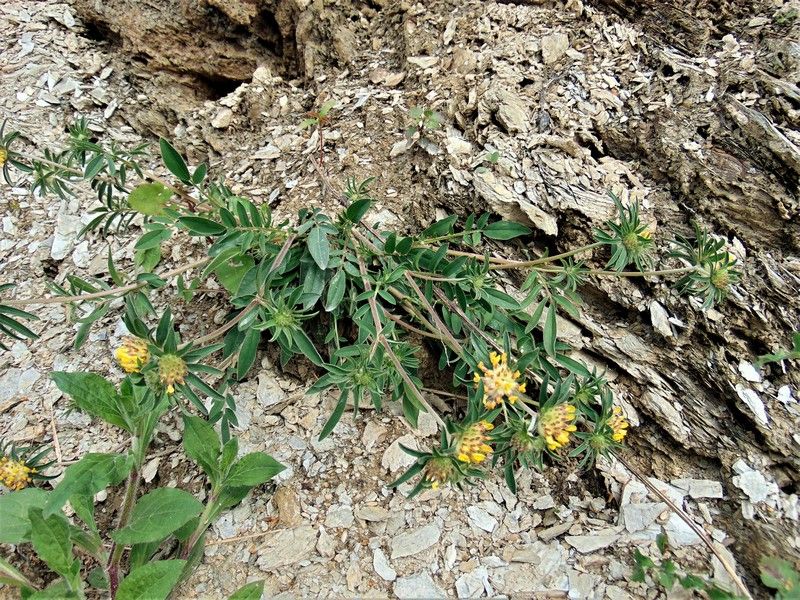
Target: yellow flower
132 354
619 425
556 424
499 382
3 156
14 474
471 446
439 470
171 370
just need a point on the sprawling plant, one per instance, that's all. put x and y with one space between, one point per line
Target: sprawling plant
358 303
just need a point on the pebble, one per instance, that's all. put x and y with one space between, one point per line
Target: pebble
372 513
382 567
339 516
481 519
286 547
415 541
223 119
395 459
590 543
474 583
554 46
418 587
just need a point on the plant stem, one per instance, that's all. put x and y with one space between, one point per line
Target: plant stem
202 525
105 293
605 273
131 489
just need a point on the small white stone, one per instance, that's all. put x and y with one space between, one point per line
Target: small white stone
481 519
753 400
382 567
223 119
395 459
590 543
749 372
339 516
415 541
554 46
418 587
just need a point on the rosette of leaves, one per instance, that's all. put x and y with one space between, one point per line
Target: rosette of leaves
629 240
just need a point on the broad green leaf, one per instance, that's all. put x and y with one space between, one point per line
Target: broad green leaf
147 260
202 226
153 581
441 227
230 274
15 525
505 230
356 211
251 591
153 238
253 469
149 199
50 539
91 474
92 394
201 444
158 514
58 590
174 161
319 246
336 289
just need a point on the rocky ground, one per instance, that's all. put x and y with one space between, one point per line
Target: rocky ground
693 117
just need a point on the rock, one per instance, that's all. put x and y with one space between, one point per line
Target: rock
640 516
67 228
511 205
755 485
372 513
481 519
287 501
554 46
223 119
424 62
81 256
543 502
457 146
512 112
415 541
581 585
382 567
546 557
556 530
286 547
427 425
660 319
373 434
339 516
749 372
395 459
418 587
589 543
679 533
271 398
474 583
754 402
700 488
326 544
268 152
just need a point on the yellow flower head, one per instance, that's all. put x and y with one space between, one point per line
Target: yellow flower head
556 424
499 382
3 156
132 354
618 424
171 370
439 470
471 446
14 474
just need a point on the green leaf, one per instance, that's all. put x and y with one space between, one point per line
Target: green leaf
251 591
158 514
306 346
153 238
356 211
230 274
441 227
692 582
202 226
199 173
336 289
147 260
149 199
247 353
50 539
201 444
174 161
92 394
511 481
15 525
153 581
58 590
333 420
550 331
91 474
9 575
319 246
661 542
505 230
254 469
